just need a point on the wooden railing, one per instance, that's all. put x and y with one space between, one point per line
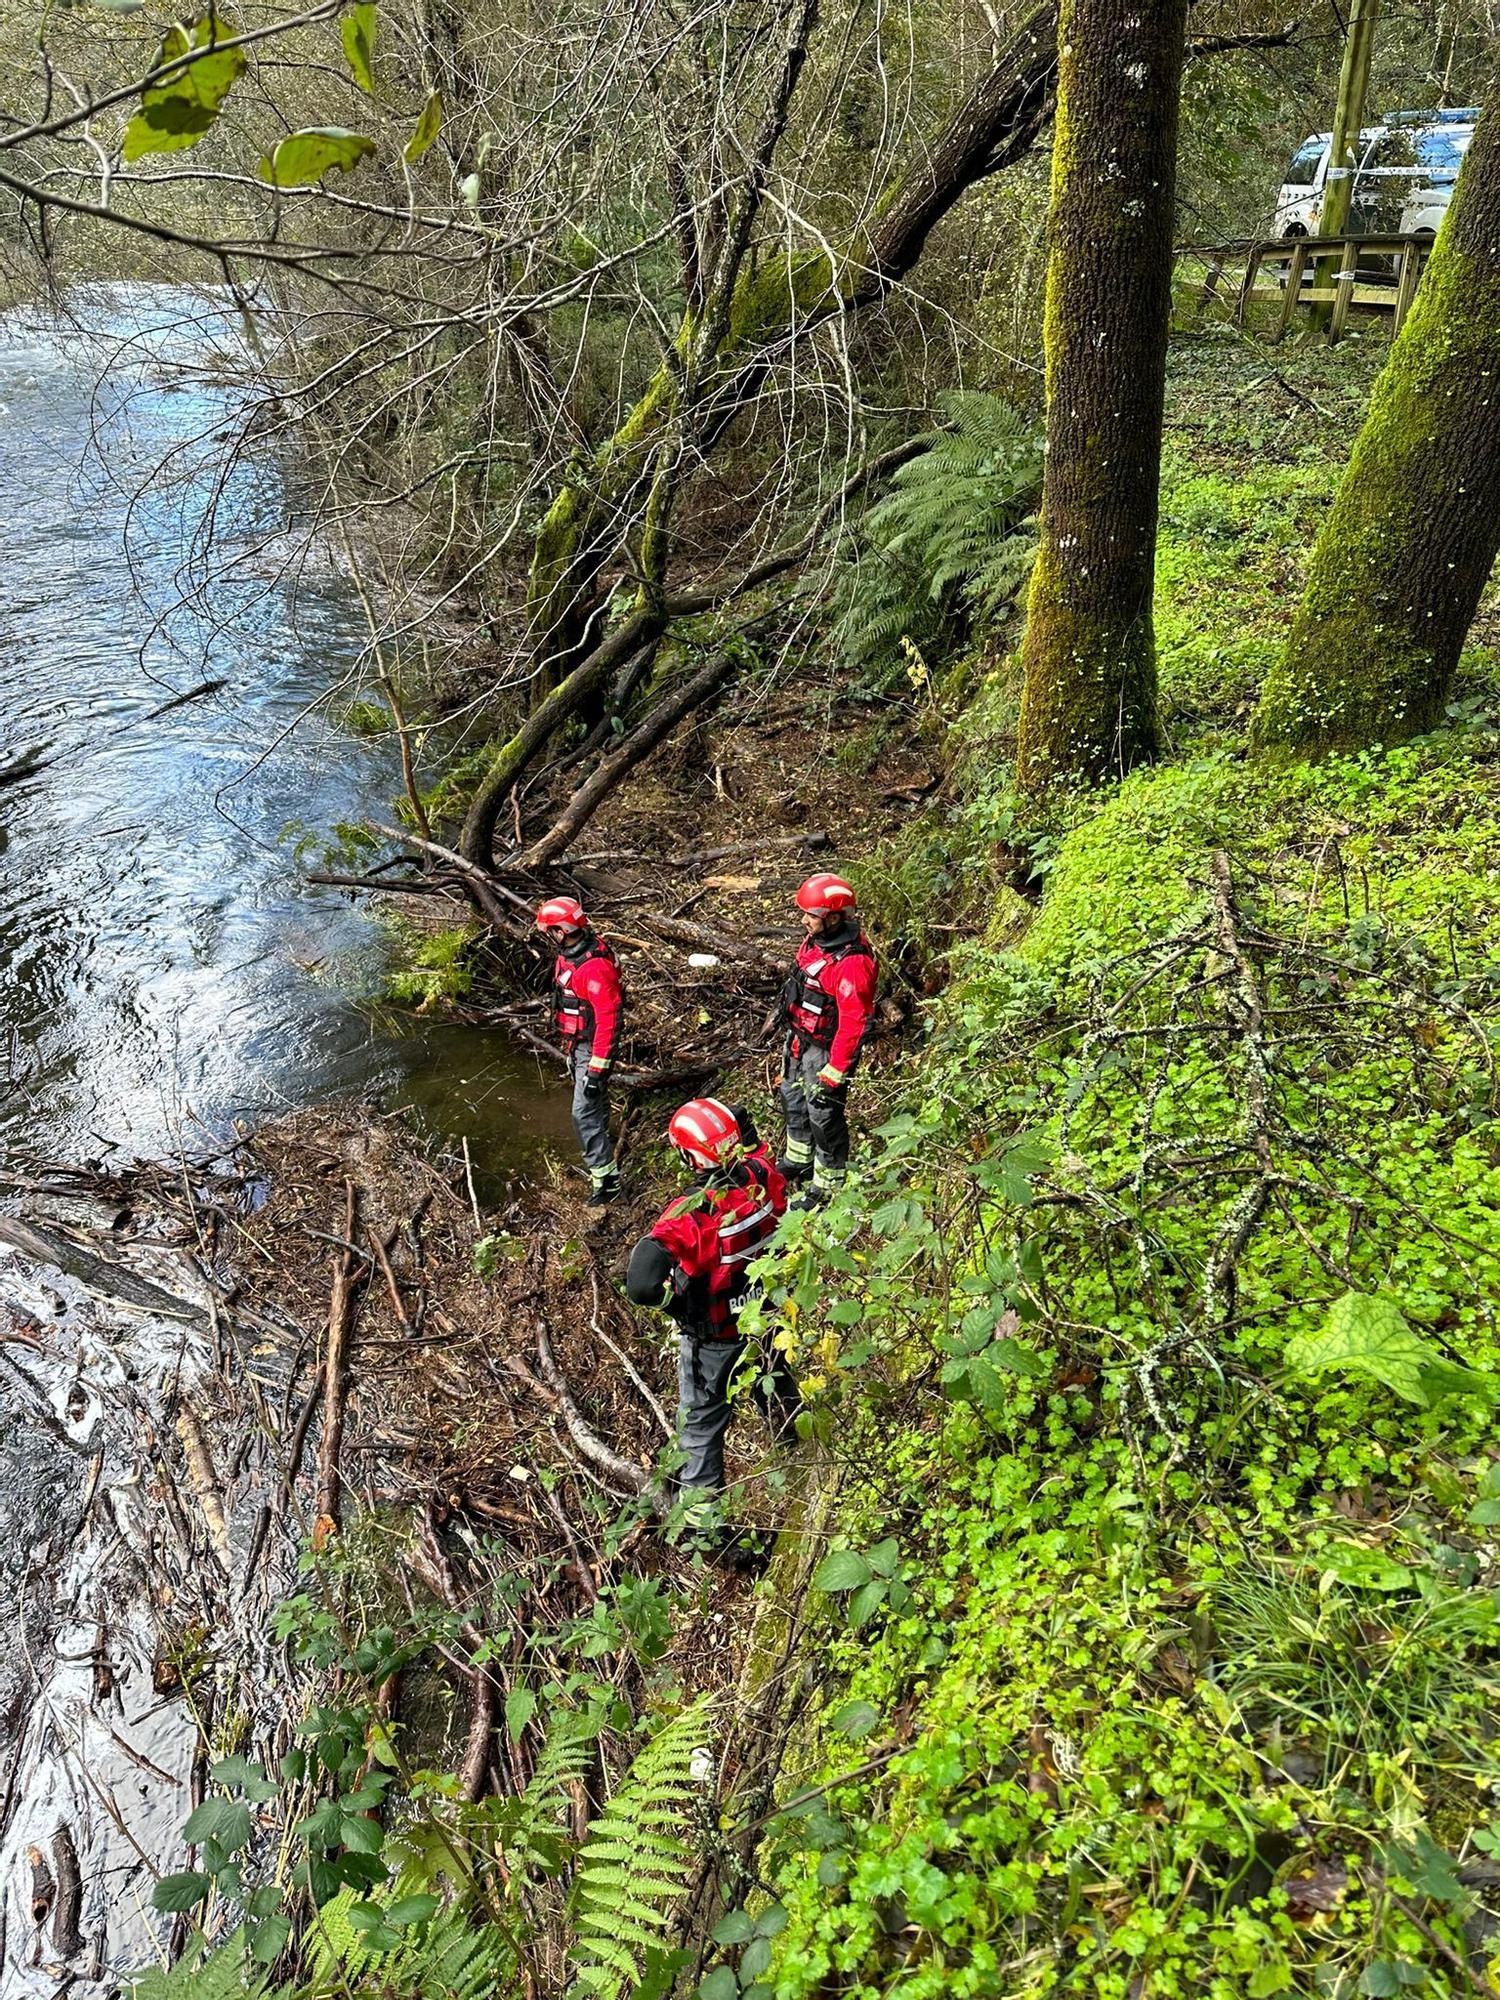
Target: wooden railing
1300 283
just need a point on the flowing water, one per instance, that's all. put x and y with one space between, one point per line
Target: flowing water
164 970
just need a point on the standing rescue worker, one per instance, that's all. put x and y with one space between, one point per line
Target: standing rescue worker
588 1004
827 1003
693 1266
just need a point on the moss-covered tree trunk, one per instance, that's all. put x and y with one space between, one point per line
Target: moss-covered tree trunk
1089 657
1402 560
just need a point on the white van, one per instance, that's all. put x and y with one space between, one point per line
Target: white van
1405 170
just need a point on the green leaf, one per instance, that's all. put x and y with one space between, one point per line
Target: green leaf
428 127
771 1922
855 1719
302 158
755 1958
865 1603
249 1778
841 1569
1366 1336
224 1820
180 1892
1366 1569
365 1917
411 1910
357 33
520 1706
846 1312
1485 1514
884 1557
176 112
736 1928
362 1836
269 1939
1379 1979
721 1984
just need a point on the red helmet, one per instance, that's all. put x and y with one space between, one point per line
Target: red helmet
705 1131
562 913
825 895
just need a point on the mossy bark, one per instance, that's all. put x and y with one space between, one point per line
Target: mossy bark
1409 543
1088 706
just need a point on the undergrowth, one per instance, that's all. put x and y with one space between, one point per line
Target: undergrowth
1169 1357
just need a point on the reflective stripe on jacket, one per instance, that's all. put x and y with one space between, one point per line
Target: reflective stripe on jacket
713 1235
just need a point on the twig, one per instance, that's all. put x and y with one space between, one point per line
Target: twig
588 1442
341 1306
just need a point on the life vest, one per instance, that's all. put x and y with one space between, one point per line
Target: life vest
813 1012
572 1014
747 1217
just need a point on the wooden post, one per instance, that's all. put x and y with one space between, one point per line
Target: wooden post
1348 266
1344 148
1252 266
1406 288
1293 290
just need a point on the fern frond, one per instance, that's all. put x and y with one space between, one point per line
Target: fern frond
634 1865
945 543
447 1958
223 1974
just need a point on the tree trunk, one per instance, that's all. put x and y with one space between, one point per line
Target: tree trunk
1398 570
1088 704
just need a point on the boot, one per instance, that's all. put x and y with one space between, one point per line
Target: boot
606 1190
793 1172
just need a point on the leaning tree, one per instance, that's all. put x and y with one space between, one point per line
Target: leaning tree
1403 558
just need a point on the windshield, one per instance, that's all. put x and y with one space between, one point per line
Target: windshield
1442 151
1303 170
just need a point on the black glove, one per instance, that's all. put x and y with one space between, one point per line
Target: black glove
595 1084
748 1134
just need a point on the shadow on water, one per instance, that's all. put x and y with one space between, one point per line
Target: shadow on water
162 967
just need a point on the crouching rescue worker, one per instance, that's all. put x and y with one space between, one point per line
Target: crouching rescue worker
588 1004
693 1266
827 1002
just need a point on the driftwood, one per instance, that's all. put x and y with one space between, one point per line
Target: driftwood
776 843
67 1939
587 1440
341 1307
98 1273
722 944
205 1480
438 1571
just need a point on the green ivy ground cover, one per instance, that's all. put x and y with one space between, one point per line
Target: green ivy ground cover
1160 1348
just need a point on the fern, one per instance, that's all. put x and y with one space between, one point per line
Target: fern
447 1958
950 542
201 1974
633 1866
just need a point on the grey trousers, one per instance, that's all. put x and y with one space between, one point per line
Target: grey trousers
591 1118
817 1120
705 1369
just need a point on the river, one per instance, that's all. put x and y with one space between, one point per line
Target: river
164 971
163 968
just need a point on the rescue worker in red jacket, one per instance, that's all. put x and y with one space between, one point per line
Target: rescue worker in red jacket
827 1002
588 1004
693 1266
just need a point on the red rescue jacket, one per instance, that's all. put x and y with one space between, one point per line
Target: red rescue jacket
587 998
713 1234
830 995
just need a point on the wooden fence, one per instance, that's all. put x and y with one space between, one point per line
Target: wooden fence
1300 264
